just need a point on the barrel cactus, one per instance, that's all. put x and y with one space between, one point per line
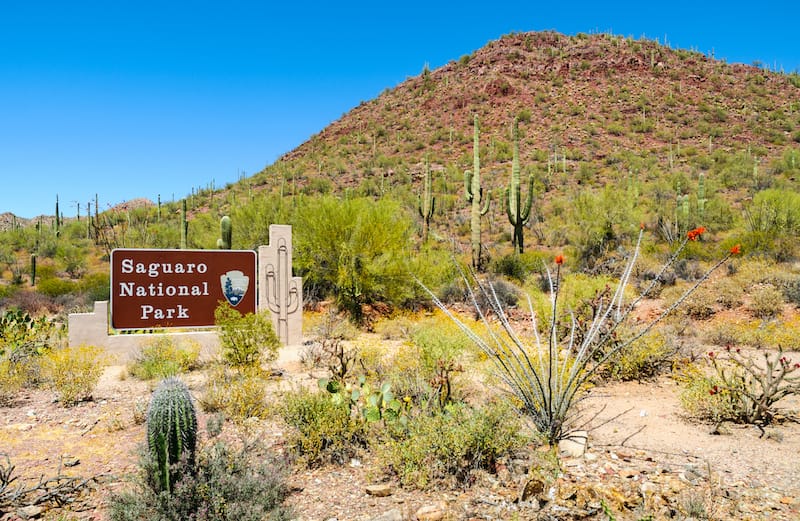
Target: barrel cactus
171 431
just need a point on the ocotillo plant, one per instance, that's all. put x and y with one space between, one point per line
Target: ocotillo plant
517 215
171 431
475 196
427 203
226 233
184 226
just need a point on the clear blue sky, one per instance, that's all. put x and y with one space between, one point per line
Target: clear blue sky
134 99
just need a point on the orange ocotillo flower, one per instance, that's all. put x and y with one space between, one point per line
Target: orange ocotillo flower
694 234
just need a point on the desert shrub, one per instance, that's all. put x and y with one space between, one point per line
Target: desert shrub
767 302
162 357
73 372
518 266
448 447
12 381
246 340
729 293
55 287
699 398
246 484
240 394
96 286
791 290
701 305
322 430
644 358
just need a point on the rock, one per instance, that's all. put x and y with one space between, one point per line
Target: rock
434 512
787 500
20 426
574 446
391 515
533 488
379 490
69 461
30 512
590 456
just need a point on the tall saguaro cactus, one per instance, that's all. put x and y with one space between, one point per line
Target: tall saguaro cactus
171 430
184 226
475 196
427 203
518 215
226 233
701 197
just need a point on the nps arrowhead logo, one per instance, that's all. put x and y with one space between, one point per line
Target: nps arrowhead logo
234 286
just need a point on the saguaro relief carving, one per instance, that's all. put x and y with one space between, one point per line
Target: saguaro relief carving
279 292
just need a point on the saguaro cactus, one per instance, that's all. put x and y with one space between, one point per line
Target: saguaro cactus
517 215
226 233
427 203
184 226
701 197
171 430
57 221
475 196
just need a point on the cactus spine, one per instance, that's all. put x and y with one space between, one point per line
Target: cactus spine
184 226
171 430
226 233
427 203
475 196
517 215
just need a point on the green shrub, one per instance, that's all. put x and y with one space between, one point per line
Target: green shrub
701 305
73 372
700 400
247 484
645 358
450 446
518 266
323 431
246 340
240 394
162 357
55 287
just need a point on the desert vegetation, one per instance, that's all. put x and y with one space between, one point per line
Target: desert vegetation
481 252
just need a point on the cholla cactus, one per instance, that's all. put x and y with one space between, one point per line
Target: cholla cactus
171 430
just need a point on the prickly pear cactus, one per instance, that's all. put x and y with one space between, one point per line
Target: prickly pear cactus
171 430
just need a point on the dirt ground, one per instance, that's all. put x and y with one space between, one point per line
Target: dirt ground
637 435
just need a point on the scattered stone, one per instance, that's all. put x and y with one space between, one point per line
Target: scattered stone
354 462
434 512
392 515
30 512
787 500
69 461
590 456
379 490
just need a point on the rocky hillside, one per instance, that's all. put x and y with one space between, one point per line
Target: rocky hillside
594 106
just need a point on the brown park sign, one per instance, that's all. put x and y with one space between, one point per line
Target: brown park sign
179 288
